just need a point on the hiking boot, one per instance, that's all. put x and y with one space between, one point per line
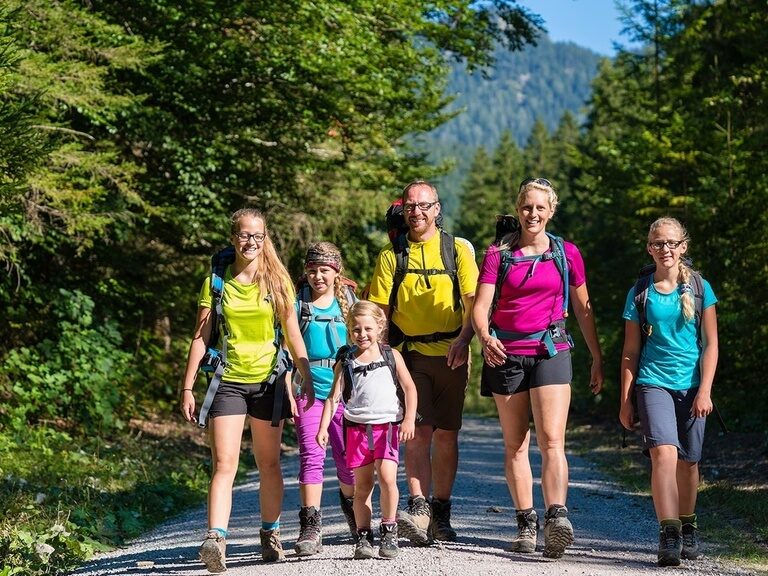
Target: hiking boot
558 532
388 541
413 522
527 529
271 548
310 532
440 523
670 545
349 512
213 552
690 550
364 545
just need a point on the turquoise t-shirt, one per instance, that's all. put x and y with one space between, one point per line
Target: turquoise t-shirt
320 344
670 357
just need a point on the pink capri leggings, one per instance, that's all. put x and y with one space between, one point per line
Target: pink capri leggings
312 457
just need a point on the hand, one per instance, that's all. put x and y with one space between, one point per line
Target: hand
458 353
494 352
596 377
188 405
294 407
322 438
627 414
407 431
702 405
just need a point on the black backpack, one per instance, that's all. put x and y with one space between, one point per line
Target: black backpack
346 356
644 279
397 230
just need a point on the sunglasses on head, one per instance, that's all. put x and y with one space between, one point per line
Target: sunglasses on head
542 181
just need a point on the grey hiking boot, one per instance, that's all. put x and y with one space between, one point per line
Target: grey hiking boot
349 512
670 545
690 550
413 522
440 523
364 544
558 532
310 532
388 542
213 552
271 548
527 529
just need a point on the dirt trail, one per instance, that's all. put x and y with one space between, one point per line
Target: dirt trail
615 530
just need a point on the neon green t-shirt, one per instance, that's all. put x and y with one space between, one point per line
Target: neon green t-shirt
250 318
425 307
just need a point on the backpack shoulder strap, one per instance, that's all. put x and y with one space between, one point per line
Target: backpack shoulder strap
698 299
640 298
219 263
389 358
344 355
449 254
400 249
557 246
306 308
505 261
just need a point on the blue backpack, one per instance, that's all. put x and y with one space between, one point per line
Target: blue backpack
215 359
557 332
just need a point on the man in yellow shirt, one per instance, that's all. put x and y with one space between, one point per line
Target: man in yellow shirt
430 320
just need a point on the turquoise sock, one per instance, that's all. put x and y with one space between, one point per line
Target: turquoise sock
223 533
270 525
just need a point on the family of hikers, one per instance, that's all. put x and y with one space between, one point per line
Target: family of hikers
367 375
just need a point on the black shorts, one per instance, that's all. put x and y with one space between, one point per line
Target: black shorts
234 399
521 373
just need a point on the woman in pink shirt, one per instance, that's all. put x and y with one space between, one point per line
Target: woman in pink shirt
527 360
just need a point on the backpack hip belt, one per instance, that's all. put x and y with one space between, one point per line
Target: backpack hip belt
555 334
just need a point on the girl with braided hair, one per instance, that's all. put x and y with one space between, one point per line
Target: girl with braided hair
670 361
322 306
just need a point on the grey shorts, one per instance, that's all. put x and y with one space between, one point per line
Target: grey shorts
440 390
521 373
666 419
251 399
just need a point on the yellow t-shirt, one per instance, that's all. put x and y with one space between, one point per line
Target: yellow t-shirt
425 304
250 317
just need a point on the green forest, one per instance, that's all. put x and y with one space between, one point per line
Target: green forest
129 132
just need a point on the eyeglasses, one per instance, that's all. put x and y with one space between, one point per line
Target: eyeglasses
542 181
256 236
671 244
423 206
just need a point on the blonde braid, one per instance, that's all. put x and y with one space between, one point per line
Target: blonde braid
339 290
686 292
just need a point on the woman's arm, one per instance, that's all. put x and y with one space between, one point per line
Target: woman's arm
298 350
197 349
494 352
582 307
702 405
630 356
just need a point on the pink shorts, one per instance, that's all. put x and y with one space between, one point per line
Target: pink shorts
366 443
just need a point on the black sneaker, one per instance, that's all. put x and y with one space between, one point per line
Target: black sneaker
440 522
364 545
690 549
558 532
310 532
388 543
527 530
213 552
670 545
413 522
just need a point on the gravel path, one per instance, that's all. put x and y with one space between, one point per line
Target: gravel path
615 530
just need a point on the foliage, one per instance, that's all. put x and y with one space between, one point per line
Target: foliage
77 375
65 497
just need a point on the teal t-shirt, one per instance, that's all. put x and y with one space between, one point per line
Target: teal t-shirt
670 357
320 344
